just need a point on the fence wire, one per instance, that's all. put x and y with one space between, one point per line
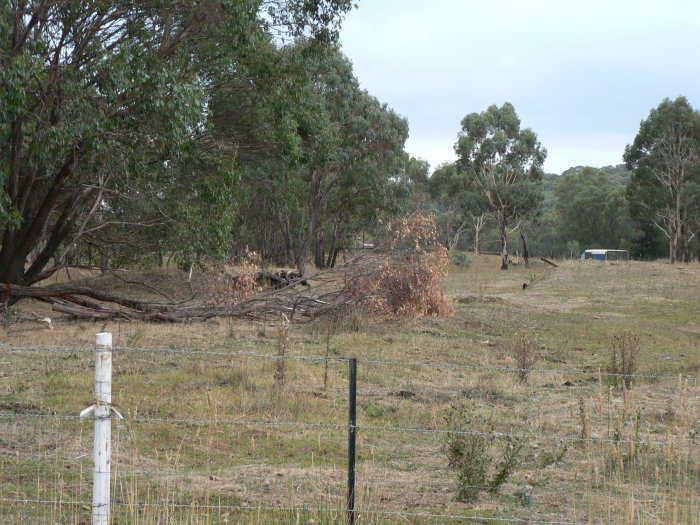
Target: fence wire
483 368
497 435
309 509
674 443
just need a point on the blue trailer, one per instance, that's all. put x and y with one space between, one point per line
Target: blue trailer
606 255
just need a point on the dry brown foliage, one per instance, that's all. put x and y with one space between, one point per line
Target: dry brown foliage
625 349
234 281
524 349
405 281
402 280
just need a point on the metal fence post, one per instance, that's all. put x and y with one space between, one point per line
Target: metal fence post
352 435
102 412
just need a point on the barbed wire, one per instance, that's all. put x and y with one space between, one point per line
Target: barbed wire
497 435
485 368
248 508
406 392
646 489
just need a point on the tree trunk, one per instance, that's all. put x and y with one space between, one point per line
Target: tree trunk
504 244
526 254
478 223
319 251
335 258
332 250
673 241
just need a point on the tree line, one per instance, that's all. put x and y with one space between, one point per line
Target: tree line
496 193
140 133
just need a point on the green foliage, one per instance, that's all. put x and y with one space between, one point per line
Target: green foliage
472 452
592 211
9 313
106 123
587 207
332 155
460 206
504 163
665 185
461 259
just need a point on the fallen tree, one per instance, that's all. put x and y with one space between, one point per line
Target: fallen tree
383 284
403 281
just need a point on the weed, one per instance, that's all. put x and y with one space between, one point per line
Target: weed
524 497
624 352
585 417
473 454
552 457
524 349
625 449
280 374
375 410
9 313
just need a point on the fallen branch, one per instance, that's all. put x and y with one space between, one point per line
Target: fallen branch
401 284
549 262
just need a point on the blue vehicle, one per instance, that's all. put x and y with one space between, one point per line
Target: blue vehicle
606 255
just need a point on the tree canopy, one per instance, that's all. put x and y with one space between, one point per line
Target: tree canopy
665 186
104 120
505 163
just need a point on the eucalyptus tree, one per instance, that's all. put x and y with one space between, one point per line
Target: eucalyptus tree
325 158
665 185
104 115
504 163
459 205
360 184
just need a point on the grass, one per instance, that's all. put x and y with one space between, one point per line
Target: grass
214 469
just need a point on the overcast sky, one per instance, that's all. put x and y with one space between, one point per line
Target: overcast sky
582 75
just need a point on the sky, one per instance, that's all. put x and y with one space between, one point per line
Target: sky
581 75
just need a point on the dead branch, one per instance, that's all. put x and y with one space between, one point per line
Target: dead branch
550 262
384 284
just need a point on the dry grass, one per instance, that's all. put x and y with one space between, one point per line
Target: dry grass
575 311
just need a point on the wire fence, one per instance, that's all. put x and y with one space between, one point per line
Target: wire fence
217 436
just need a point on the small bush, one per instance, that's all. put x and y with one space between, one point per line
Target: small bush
280 374
461 259
624 351
375 410
524 349
473 455
9 313
406 282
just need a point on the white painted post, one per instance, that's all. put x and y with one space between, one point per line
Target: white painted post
103 429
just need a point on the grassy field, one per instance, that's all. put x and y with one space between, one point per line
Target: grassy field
213 436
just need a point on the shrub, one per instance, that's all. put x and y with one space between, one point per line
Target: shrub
473 454
460 259
280 373
624 351
406 281
524 349
9 313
